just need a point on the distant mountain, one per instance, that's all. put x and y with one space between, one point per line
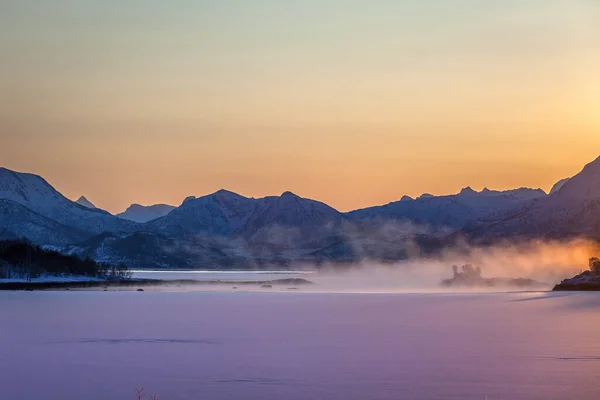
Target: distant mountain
222 213
37 195
85 202
227 230
453 211
558 185
573 210
230 215
292 221
141 214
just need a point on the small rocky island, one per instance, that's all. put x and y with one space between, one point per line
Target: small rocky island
470 276
588 280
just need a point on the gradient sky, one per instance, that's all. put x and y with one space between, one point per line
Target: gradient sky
354 103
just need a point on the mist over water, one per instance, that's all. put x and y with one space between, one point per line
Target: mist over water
547 262
366 331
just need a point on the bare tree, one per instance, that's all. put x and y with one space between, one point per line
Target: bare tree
140 393
595 265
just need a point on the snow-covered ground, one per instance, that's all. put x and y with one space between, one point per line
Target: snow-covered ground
352 346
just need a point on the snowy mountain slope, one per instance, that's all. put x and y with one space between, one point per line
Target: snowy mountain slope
142 214
292 221
39 196
227 230
558 185
585 186
573 210
83 201
222 213
274 219
17 221
292 210
148 250
453 211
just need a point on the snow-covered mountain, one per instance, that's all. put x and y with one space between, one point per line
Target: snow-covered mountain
573 210
558 185
150 250
37 195
17 221
292 221
453 211
142 214
228 214
229 229
225 229
222 213
83 201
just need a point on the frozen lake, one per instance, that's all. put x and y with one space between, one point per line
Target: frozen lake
221 275
290 345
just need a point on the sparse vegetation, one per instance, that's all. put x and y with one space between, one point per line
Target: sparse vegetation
19 259
595 265
470 276
466 271
140 395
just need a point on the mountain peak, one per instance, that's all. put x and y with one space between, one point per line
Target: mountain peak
289 195
583 186
26 189
406 198
224 194
189 198
467 191
143 214
83 201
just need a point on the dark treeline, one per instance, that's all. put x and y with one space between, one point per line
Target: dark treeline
19 259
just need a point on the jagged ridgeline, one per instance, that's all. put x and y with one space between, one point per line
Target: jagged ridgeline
19 259
225 230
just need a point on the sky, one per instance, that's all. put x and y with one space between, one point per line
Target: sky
354 103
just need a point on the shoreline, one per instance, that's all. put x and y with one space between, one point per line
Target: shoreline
141 283
577 287
587 281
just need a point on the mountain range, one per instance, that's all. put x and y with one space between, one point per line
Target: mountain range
227 230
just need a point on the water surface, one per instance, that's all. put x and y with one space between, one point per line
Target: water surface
288 345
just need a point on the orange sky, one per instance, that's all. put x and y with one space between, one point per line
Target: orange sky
354 106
